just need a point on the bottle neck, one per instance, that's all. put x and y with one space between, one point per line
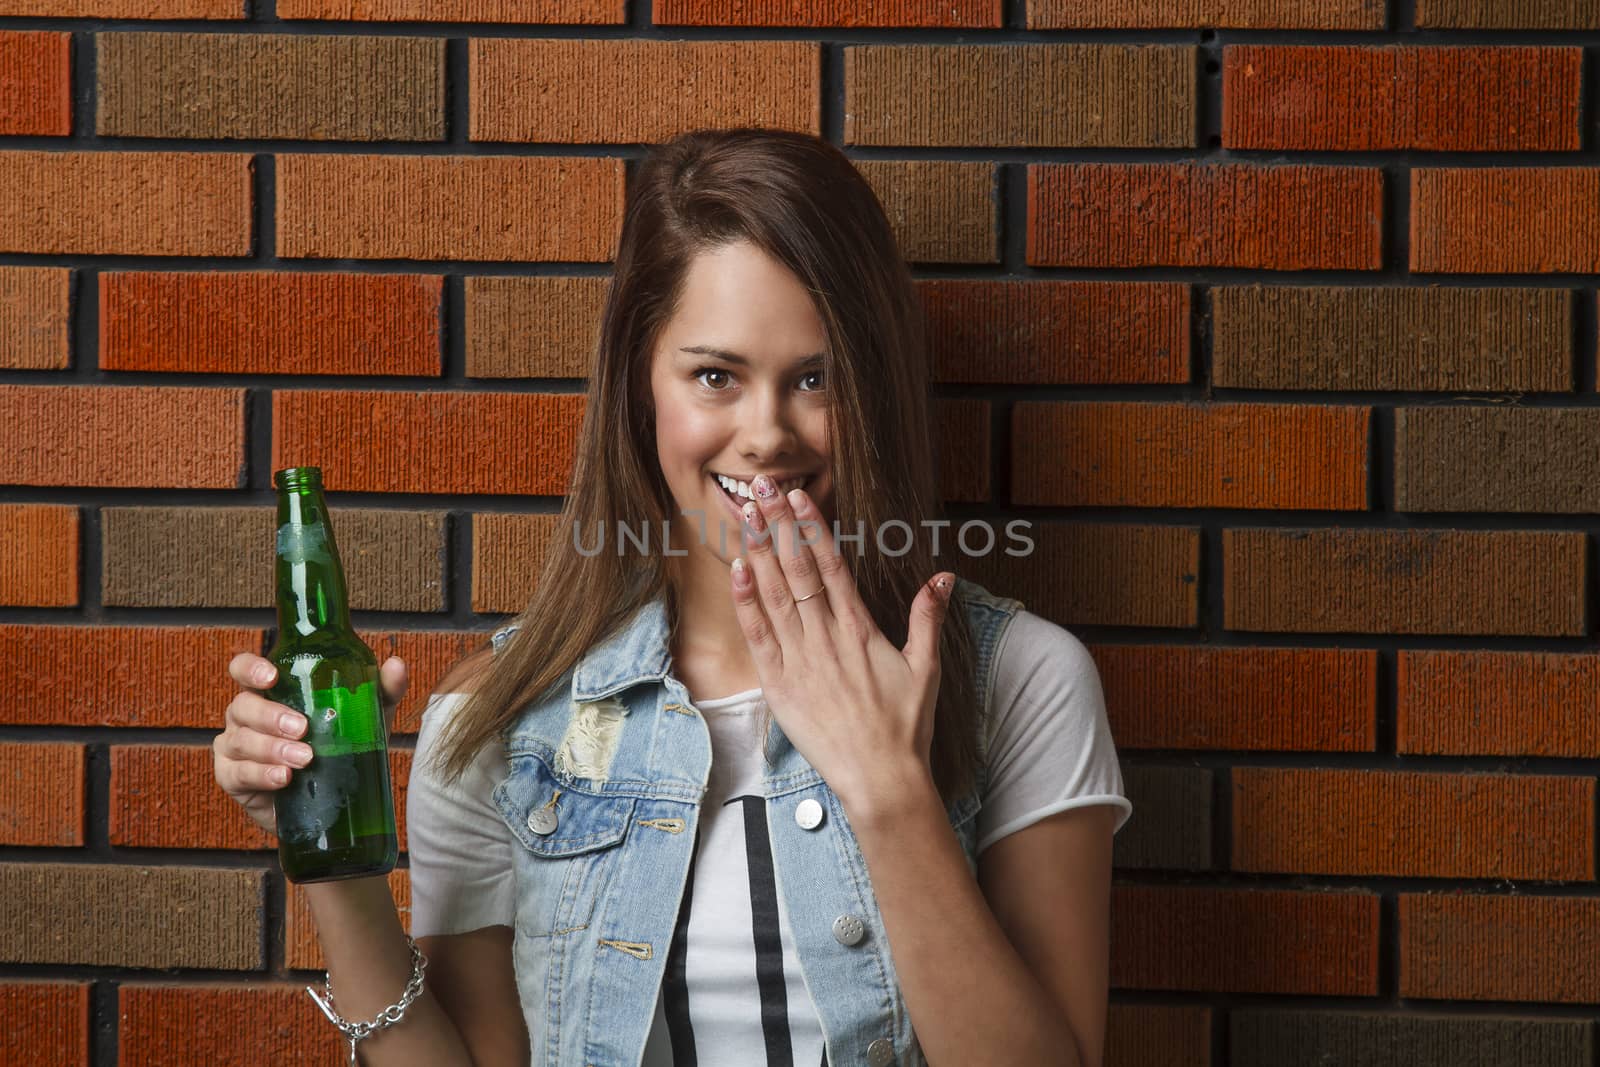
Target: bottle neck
311 589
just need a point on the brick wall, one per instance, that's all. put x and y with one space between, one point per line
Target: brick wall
1276 317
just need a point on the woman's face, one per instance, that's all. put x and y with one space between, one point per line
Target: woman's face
739 391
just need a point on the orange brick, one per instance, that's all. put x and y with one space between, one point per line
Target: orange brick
301 949
572 90
205 1022
468 445
941 211
1440 99
1497 220
341 206
831 13
41 794
263 322
961 448
39 555
1189 456
1409 824
1233 14
1080 95
1057 333
136 676
47 1023
533 327
1498 703
166 796
126 9
125 203
508 555
33 317
1462 946
428 655
1158 1035
1509 14
139 436
1244 940
584 12
1211 215
1405 581
36 86
1285 699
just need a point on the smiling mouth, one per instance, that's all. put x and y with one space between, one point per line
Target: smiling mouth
723 482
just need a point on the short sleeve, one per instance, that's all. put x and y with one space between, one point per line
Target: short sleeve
460 848
1050 747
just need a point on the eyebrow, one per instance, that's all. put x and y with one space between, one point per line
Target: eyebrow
816 359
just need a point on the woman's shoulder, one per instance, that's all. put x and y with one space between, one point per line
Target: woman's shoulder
1038 652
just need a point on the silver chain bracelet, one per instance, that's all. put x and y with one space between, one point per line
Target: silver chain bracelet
354 1032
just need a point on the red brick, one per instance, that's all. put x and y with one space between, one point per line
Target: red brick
301 949
1278 699
1244 940
1411 581
1480 947
1080 95
38 555
941 211
584 12
205 1021
464 442
264 322
119 676
508 555
533 327
139 436
126 9
961 448
1439 99
166 796
340 206
47 1023
1413 825
1285 456
1500 220
573 90
1509 14
35 83
1211 215
1057 333
985 14
34 304
1232 14
428 655
125 203
1158 1035
1498 704
41 794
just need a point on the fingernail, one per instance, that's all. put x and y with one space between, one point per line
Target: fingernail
796 500
763 486
263 674
752 515
291 723
279 775
299 755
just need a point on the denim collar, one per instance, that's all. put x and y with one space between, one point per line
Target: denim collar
637 651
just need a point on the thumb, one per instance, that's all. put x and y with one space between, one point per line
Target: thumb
927 619
394 678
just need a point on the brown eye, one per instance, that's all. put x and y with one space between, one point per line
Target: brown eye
710 370
814 374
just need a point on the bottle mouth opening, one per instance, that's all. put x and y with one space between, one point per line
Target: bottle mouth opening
298 478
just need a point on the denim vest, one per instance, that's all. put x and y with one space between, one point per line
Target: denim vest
603 795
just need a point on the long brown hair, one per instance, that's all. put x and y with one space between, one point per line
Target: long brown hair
801 201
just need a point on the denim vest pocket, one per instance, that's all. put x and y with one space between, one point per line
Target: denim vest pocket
569 838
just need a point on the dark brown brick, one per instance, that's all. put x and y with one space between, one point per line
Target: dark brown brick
135 436
581 12
1498 703
1384 337
508 555
101 915
41 793
223 557
961 446
1158 1035
33 317
1509 14
204 1021
1505 220
1406 824
36 92
832 13
1434 99
1471 946
1240 14
301 950
1282 699
1405 581
1143 454
580 91
1497 459
1057 333
265 322
1205 215
533 327
47 1023
38 555
264 85
1171 824
1244 940
1265 1037
1079 95
940 211
135 676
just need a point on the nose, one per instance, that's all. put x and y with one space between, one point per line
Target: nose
767 428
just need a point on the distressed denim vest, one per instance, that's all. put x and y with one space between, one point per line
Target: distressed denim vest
603 795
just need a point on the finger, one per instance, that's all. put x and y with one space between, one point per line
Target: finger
252 671
765 648
238 777
393 680
252 711
843 598
794 559
770 587
928 613
242 745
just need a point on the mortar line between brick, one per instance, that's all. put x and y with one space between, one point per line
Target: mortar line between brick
104 1028
830 102
1389 949
264 189
81 79
1011 191
1585 333
459 569
457 91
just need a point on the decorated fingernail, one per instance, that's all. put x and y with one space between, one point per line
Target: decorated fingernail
752 516
764 487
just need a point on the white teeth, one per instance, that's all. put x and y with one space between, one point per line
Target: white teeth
743 488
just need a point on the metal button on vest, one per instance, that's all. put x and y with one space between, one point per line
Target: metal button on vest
881 1052
848 930
542 821
808 813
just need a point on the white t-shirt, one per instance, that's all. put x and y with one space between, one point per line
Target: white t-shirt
732 963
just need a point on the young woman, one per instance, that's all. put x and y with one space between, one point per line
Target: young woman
760 794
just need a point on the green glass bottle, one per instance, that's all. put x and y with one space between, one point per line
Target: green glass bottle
336 815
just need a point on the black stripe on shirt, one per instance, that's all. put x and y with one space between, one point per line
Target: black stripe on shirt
768 940
675 993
